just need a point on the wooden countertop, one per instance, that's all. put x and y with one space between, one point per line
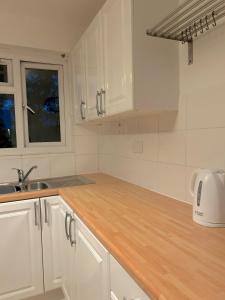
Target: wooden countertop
152 236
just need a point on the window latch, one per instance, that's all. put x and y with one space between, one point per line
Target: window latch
29 108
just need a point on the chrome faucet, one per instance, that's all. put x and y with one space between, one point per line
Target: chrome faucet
23 177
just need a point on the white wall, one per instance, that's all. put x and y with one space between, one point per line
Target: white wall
174 144
45 24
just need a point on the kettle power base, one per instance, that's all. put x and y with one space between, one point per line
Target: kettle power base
218 225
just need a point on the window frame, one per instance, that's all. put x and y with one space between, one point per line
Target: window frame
22 54
8 63
6 92
39 66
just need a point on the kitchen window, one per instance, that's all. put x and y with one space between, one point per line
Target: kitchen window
43 103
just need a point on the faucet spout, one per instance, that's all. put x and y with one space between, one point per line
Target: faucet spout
23 177
28 173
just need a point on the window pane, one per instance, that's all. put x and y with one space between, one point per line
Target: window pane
7 121
3 73
42 87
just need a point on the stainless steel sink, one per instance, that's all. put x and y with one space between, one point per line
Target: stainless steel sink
37 186
7 188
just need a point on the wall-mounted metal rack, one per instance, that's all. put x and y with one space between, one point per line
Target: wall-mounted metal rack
192 18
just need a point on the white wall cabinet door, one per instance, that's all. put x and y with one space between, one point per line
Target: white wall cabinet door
21 272
51 242
79 81
117 37
91 267
94 67
67 233
123 287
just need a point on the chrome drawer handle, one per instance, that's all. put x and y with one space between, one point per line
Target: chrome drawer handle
66 223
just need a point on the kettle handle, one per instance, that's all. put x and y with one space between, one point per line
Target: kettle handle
193 179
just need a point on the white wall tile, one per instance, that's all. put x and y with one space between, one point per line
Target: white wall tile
43 164
206 107
189 177
6 166
87 129
104 163
172 147
86 144
86 164
171 121
62 165
172 181
206 148
151 144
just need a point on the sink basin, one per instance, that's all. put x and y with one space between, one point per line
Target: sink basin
6 188
37 186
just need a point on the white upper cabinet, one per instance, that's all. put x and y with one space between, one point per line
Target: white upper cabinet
51 242
126 70
79 81
21 273
91 267
94 67
117 45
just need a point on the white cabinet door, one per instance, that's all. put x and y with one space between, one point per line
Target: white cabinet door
94 67
67 233
21 272
117 37
91 267
51 242
79 83
123 287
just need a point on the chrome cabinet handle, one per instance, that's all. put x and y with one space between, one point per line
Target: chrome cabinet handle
72 242
46 211
97 103
66 223
83 117
102 102
37 215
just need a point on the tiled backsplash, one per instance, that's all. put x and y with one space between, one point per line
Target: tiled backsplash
174 144
82 159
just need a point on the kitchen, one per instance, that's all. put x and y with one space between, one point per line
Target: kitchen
120 130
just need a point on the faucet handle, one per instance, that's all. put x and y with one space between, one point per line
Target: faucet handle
18 170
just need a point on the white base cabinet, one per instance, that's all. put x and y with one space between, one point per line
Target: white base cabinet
92 266
44 246
50 216
21 273
67 250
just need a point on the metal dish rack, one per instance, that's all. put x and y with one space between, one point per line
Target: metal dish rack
192 18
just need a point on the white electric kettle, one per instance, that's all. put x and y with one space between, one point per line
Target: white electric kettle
208 190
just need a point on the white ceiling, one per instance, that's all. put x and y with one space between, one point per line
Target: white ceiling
45 24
